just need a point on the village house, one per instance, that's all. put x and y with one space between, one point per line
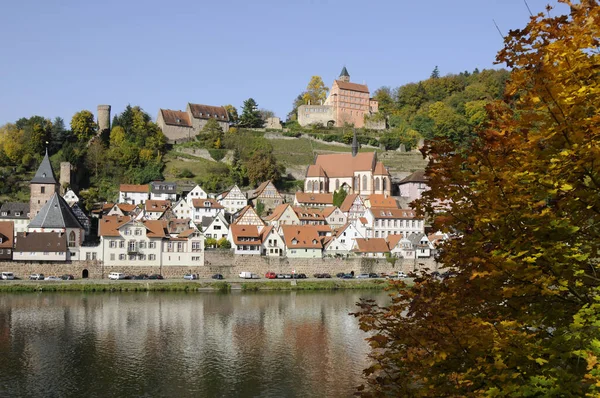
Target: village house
216 227
83 219
17 213
7 238
70 197
378 201
319 200
282 215
133 194
268 195
160 190
413 186
334 217
342 241
371 247
309 216
302 241
245 239
247 216
412 246
384 222
121 209
273 244
41 246
354 207
154 209
183 209
233 200
205 208
182 126
196 193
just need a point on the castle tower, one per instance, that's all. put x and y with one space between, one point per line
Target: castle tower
344 75
65 176
42 187
103 119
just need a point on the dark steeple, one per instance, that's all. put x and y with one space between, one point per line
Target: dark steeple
354 143
44 174
344 75
56 213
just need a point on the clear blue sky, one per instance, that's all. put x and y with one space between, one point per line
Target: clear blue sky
62 56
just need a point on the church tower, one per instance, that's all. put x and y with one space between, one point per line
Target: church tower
42 187
344 75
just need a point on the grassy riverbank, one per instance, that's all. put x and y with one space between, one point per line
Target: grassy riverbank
187 286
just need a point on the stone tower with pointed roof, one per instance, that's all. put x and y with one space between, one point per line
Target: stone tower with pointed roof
42 187
344 75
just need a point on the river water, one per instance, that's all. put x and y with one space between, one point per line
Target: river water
289 344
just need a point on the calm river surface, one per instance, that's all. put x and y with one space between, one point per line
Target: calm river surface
292 344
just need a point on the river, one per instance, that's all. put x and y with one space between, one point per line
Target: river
264 344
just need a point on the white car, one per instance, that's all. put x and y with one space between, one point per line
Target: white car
7 276
402 275
190 277
116 275
52 278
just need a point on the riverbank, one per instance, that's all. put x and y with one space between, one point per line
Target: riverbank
189 286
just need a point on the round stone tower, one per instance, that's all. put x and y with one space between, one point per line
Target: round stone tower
65 176
103 118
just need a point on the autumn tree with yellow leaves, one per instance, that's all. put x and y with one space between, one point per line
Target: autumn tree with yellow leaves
520 314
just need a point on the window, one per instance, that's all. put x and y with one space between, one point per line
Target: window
88 256
138 231
127 232
72 239
152 245
112 244
179 246
43 189
132 257
121 257
121 244
142 245
152 257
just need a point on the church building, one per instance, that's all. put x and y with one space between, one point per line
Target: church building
358 173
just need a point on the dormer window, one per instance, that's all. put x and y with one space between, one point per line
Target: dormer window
17 213
294 241
4 213
178 120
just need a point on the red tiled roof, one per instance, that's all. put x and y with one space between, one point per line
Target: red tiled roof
301 236
371 245
133 188
126 207
176 118
380 170
378 200
156 228
41 242
200 203
327 211
109 225
314 198
157 205
344 164
382 213
352 86
417 176
248 232
200 111
315 171
347 204
393 240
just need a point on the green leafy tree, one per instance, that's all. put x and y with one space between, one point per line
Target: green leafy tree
224 243
211 134
384 97
263 166
519 316
83 125
293 115
210 242
260 208
250 115
339 196
232 113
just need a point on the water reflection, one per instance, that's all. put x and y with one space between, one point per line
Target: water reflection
179 345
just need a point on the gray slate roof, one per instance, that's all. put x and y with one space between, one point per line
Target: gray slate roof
163 187
344 72
56 213
12 208
206 221
44 173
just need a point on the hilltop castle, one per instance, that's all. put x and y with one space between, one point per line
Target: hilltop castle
347 103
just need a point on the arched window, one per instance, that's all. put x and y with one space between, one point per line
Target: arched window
364 182
377 183
337 184
384 180
72 239
356 186
315 186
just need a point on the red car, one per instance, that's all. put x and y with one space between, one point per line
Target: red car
270 275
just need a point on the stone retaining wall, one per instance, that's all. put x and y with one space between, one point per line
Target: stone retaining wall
225 263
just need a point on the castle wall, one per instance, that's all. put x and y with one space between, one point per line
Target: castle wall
313 114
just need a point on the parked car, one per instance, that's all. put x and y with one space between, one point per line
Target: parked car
270 275
7 276
362 276
402 275
246 275
287 276
141 276
340 274
116 275
317 275
190 277
36 277
299 276
254 276
52 278
156 276
218 276
280 276
326 275
348 276
67 277
373 275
